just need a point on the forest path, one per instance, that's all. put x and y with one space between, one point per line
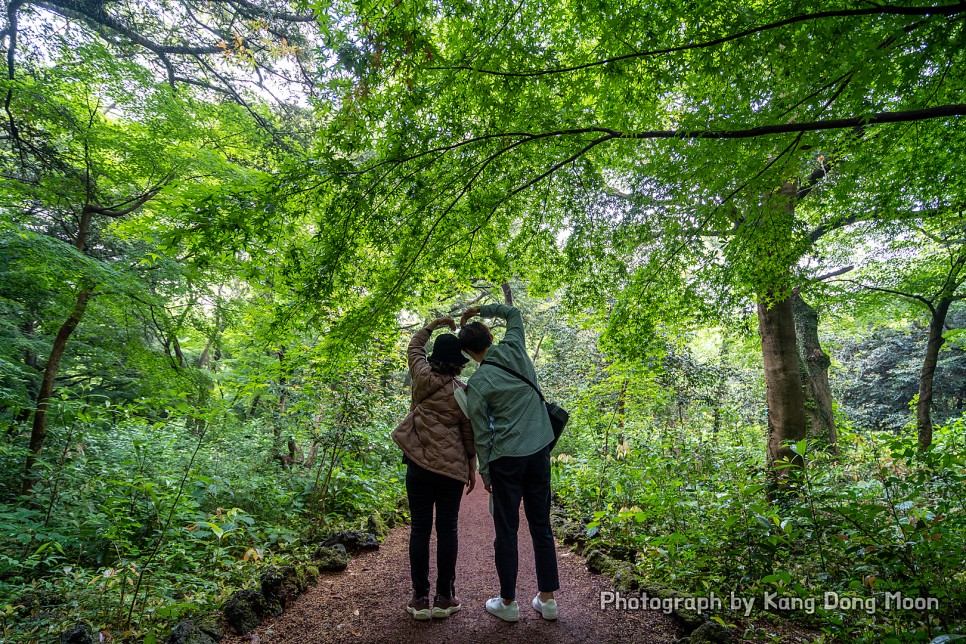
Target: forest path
366 603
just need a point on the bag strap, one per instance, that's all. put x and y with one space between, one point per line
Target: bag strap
521 377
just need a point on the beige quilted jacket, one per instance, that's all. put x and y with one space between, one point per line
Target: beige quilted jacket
436 435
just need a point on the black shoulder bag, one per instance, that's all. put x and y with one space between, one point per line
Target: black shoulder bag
558 415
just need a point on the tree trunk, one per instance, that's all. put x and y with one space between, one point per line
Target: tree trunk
312 455
214 340
280 414
783 384
721 390
29 357
779 346
507 293
814 364
179 354
38 433
928 373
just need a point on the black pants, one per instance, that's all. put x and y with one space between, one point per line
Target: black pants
427 490
513 478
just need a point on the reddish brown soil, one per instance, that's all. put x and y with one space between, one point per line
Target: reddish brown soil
366 603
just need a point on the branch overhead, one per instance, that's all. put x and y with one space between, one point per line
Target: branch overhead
928 10
245 34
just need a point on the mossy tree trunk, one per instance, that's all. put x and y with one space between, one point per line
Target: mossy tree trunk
814 364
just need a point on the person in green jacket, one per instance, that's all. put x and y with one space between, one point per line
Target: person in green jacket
512 433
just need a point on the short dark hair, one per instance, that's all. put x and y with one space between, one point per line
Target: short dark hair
446 368
475 337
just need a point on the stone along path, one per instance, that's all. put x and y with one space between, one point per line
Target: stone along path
366 603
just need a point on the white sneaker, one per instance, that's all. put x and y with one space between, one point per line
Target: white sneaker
547 609
507 612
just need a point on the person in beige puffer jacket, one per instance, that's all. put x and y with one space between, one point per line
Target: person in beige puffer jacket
437 443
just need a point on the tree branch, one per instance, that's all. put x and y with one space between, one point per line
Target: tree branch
266 13
835 273
942 111
118 211
822 229
957 109
912 296
95 14
945 10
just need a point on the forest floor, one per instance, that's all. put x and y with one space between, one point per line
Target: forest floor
367 602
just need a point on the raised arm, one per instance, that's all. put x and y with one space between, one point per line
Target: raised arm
418 364
514 323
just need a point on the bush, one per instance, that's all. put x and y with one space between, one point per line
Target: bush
883 518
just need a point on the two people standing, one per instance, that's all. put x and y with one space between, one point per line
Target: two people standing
510 437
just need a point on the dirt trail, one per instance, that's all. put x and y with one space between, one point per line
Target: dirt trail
366 603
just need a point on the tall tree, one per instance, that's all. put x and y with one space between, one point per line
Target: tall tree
933 278
484 137
85 150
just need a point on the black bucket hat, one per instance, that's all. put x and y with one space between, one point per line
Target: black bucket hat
447 349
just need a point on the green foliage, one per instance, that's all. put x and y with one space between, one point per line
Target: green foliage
113 495
256 268
877 375
690 506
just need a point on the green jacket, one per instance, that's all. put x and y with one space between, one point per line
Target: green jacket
507 415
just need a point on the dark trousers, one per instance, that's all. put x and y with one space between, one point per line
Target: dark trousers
427 490
513 478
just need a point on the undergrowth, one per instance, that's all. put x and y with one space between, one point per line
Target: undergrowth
867 548
126 533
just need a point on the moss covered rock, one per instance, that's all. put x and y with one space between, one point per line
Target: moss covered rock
710 633
625 577
354 541
244 610
599 563
211 624
400 516
191 632
376 525
570 533
690 619
80 634
332 558
623 553
310 575
280 586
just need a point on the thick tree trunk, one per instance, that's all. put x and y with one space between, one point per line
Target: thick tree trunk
814 364
928 373
779 346
783 384
38 433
